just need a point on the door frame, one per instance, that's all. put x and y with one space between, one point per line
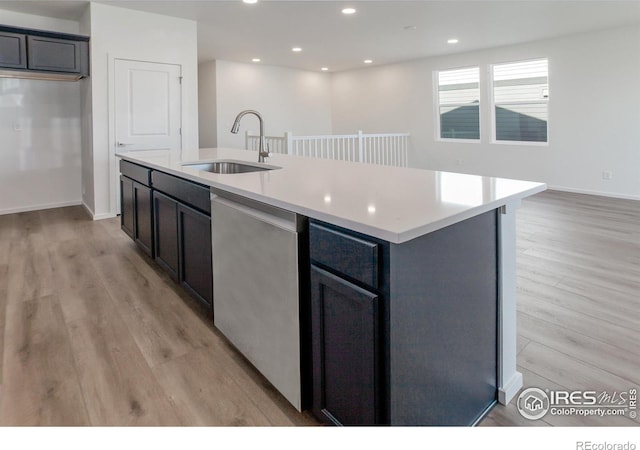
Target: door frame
114 172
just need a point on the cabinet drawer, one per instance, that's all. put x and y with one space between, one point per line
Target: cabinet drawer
349 255
138 173
193 194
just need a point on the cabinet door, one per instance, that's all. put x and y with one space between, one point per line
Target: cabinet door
127 217
143 228
55 55
13 53
165 210
344 326
196 273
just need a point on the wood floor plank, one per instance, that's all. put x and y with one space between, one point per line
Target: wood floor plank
618 311
623 338
521 343
573 375
206 395
29 276
158 319
583 348
63 224
104 237
71 265
5 246
3 311
275 407
18 226
118 386
40 384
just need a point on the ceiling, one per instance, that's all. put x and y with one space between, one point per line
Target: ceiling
383 31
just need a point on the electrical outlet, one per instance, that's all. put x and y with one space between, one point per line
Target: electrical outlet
607 175
459 161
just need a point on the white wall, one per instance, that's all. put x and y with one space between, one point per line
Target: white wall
124 33
86 108
207 118
40 133
594 112
288 100
16 19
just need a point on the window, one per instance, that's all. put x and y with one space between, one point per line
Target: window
459 103
520 97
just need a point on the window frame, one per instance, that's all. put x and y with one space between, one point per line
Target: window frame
492 105
436 90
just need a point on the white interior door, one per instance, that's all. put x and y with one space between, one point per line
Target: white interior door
147 106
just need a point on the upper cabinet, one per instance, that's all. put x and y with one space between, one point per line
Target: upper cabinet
13 50
43 54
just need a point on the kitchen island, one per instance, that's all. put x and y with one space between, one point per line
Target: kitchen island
412 282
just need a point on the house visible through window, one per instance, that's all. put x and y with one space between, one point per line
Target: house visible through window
520 98
459 103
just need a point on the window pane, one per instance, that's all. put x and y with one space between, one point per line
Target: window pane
459 100
518 123
460 122
520 93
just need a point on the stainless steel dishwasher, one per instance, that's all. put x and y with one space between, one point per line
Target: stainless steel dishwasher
256 287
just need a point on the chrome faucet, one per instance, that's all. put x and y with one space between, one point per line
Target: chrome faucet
262 151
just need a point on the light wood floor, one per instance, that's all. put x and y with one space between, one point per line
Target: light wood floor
92 334
578 265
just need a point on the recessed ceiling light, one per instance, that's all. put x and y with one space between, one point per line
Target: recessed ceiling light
324 69
296 49
348 11
409 27
368 61
256 60
452 41
250 2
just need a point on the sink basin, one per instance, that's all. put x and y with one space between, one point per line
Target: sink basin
229 167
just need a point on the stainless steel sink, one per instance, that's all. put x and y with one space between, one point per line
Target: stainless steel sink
229 167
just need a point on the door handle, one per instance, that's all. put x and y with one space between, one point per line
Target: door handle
122 144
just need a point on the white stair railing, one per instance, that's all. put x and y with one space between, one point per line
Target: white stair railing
389 149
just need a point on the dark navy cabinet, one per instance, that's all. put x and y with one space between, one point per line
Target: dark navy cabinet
36 51
348 295
136 208
55 55
13 50
182 225
170 220
345 346
196 270
165 210
405 334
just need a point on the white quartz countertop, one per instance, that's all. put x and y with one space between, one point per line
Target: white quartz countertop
391 203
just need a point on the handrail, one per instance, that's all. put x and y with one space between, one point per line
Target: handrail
379 148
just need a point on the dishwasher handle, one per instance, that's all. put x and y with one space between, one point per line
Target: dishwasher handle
277 217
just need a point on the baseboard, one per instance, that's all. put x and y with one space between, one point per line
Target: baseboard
597 193
88 210
95 216
39 207
510 388
104 216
